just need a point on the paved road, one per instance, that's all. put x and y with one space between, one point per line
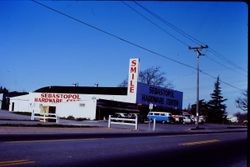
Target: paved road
11 123
103 146
222 149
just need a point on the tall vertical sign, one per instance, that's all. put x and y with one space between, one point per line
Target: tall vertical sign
133 74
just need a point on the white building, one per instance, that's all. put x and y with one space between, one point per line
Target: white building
98 102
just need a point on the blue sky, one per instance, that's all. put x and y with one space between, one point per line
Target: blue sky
39 47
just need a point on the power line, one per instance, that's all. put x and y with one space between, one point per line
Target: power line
170 25
215 61
146 18
214 52
226 83
188 36
124 40
173 27
113 35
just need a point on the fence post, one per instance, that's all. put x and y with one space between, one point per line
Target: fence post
109 122
149 124
57 119
44 117
32 115
136 122
154 124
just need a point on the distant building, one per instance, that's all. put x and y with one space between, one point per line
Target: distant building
99 102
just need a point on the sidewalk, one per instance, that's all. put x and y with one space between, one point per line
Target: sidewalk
11 124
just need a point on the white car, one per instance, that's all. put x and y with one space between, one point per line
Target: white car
178 118
121 115
201 119
187 119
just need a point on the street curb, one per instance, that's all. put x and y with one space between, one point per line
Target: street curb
63 136
49 125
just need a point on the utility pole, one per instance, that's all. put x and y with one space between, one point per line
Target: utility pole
198 50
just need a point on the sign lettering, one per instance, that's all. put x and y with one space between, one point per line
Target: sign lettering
161 97
133 70
56 98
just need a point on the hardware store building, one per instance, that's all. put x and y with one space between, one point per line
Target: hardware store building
99 102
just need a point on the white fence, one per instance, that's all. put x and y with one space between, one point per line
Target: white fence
44 117
123 121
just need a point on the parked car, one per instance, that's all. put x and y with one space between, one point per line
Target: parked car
245 123
201 119
178 118
160 116
187 119
132 115
120 115
124 115
193 118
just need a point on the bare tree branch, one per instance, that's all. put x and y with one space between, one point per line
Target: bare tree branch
242 102
152 76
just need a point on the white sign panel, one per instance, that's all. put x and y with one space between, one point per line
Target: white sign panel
133 74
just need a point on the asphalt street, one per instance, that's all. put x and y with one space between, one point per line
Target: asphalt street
221 149
91 143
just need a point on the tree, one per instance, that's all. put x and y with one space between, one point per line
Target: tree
3 90
203 107
242 102
216 109
124 83
4 101
151 76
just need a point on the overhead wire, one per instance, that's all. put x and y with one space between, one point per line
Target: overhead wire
125 40
190 37
174 27
170 24
217 62
162 29
113 35
214 52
